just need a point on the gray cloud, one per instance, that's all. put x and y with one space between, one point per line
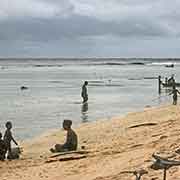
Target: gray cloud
78 26
33 25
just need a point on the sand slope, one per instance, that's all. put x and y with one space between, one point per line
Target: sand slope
114 146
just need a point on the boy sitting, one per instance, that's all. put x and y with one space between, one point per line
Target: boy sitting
71 140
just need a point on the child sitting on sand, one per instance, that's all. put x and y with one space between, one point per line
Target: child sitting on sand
8 138
2 148
71 140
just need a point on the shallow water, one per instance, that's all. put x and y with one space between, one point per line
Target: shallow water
55 87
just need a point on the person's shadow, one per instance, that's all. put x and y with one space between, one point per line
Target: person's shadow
84 112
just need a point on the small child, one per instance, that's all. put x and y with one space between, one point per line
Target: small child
2 148
175 93
71 140
8 138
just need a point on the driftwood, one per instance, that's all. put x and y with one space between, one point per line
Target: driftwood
72 158
144 124
138 173
51 160
69 152
163 163
66 159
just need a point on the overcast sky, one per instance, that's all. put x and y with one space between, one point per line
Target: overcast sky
89 28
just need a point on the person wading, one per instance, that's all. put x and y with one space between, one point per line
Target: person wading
84 94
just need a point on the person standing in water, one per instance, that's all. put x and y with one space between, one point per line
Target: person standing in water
84 94
171 80
175 93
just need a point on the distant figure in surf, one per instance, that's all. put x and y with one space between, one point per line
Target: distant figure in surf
175 93
71 139
23 88
171 80
84 94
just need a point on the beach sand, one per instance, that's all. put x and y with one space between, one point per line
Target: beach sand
113 146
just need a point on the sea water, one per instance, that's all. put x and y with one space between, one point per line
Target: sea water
116 86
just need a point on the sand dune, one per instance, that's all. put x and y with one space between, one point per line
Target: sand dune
113 146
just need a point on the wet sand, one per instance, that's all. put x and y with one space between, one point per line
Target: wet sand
112 146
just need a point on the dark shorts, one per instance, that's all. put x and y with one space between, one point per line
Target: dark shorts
64 148
175 98
85 98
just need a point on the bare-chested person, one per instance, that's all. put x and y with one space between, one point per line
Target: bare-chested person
71 140
8 138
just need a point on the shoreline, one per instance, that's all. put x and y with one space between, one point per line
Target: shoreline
120 144
108 118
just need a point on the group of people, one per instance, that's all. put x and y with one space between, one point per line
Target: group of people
5 143
70 144
171 82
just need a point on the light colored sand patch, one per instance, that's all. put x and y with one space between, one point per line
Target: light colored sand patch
113 147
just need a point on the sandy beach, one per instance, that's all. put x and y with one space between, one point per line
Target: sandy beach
112 146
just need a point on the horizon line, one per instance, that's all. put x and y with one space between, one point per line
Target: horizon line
84 58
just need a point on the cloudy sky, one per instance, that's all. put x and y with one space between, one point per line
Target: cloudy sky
89 28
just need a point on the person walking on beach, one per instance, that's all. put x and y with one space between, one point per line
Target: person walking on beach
8 138
71 139
175 93
84 94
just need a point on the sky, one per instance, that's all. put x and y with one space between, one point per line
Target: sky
89 28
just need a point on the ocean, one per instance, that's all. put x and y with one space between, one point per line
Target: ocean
116 87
